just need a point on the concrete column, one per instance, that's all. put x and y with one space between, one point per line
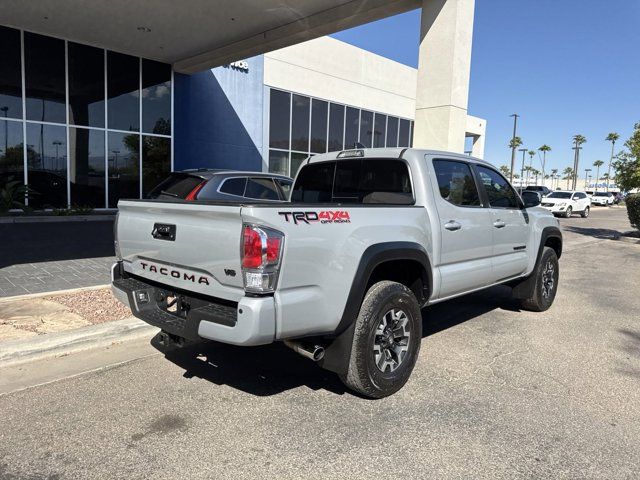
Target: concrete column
443 74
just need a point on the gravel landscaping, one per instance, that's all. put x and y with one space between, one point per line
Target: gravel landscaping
95 306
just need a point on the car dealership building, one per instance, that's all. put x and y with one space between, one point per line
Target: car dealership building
88 118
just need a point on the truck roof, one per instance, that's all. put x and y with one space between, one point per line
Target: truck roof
395 152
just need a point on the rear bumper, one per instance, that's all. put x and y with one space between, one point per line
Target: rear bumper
251 321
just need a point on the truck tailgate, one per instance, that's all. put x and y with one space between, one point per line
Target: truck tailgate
184 245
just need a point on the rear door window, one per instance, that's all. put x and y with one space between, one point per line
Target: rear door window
261 189
456 183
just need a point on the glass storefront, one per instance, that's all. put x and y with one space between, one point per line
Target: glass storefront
300 126
80 125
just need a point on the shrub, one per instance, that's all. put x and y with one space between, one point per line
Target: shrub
633 209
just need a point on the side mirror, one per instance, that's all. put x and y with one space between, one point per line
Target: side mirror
531 199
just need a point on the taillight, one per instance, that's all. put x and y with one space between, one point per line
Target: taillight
261 252
193 194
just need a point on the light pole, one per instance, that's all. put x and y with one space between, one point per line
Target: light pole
513 144
524 152
5 109
586 176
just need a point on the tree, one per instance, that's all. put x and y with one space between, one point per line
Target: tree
527 171
577 140
544 149
554 172
627 165
568 175
613 138
515 142
597 164
505 170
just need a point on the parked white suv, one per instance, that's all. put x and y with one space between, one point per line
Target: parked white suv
567 202
602 198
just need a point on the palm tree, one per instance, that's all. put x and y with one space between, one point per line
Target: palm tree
597 164
505 170
544 149
577 140
606 178
515 142
613 138
527 171
568 173
554 172
535 172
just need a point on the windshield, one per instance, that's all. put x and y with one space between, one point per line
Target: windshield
560 195
601 194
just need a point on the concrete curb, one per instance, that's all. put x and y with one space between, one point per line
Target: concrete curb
64 343
59 219
627 239
53 293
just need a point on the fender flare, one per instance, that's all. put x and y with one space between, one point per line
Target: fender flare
524 288
336 358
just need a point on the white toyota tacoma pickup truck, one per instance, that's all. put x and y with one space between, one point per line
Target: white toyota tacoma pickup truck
340 273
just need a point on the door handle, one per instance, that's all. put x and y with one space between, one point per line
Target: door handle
499 224
452 225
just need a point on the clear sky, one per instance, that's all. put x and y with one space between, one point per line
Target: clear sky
566 66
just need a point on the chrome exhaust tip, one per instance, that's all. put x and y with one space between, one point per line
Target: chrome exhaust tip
310 351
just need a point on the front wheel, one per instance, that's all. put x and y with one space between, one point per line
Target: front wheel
386 341
547 274
585 213
568 213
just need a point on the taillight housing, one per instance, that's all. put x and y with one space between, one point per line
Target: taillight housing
193 194
261 252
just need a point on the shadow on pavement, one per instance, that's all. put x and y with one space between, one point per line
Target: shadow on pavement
604 233
631 349
273 369
47 242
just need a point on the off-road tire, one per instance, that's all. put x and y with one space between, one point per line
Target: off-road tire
585 213
363 374
539 301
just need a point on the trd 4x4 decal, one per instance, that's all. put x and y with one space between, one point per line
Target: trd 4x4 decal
324 216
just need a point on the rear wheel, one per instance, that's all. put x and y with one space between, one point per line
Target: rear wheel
386 341
547 274
585 213
568 213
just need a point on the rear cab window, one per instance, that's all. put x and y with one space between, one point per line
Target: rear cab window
359 181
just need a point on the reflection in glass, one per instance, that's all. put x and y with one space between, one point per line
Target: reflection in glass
351 127
392 131
296 161
336 127
123 156
300 123
403 138
379 130
44 78
156 161
86 85
156 97
319 126
279 112
366 128
86 167
278 162
411 134
47 165
123 76
11 157
10 74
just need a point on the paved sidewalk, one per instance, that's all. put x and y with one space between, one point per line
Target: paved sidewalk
44 257
52 276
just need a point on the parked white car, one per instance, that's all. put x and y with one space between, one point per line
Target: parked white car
602 198
567 202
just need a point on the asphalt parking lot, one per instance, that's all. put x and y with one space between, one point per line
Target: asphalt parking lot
497 393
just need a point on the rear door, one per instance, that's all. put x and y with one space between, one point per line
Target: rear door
510 225
465 228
